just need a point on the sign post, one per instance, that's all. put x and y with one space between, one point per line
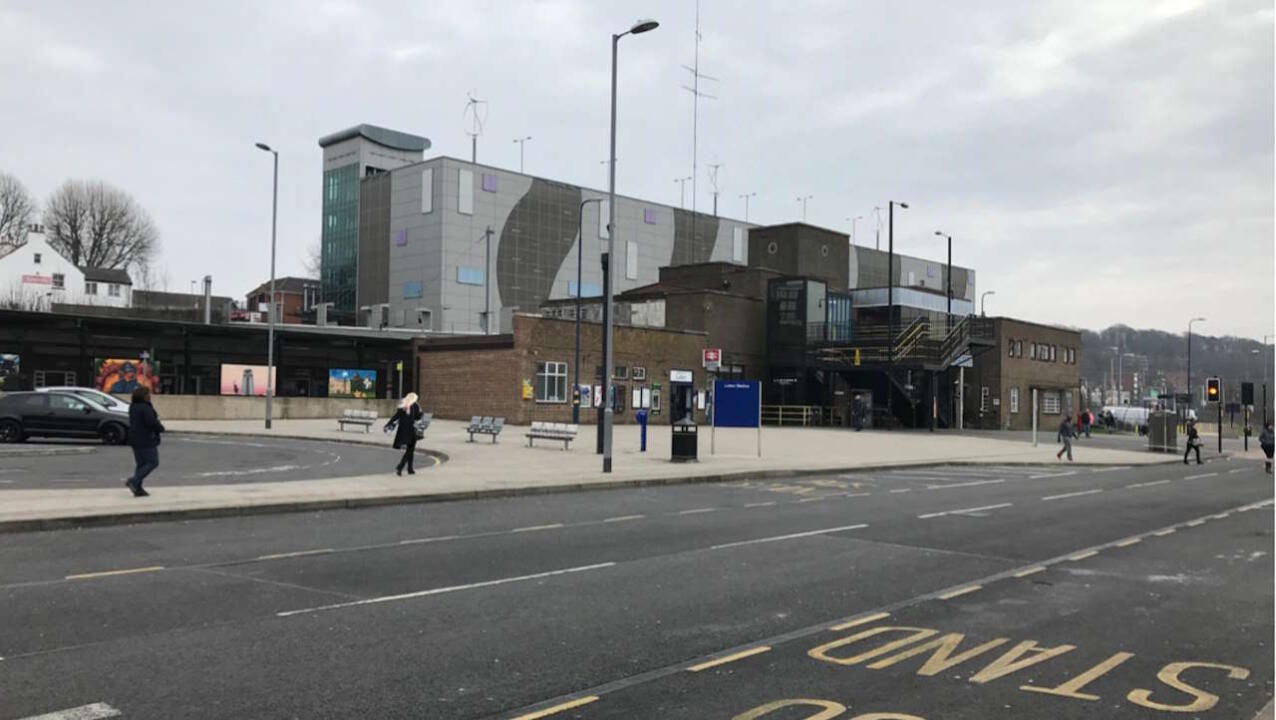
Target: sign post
738 403
712 358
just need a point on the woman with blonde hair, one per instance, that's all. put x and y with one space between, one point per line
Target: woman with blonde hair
405 435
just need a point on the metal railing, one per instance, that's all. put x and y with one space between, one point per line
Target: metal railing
801 415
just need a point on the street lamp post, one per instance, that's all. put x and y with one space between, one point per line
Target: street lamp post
580 251
520 142
639 27
983 295
746 197
1189 359
853 219
949 283
890 305
803 200
270 332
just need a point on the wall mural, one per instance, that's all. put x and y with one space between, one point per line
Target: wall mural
123 375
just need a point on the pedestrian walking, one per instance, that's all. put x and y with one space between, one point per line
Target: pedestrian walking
1066 433
404 424
1267 441
1087 419
1193 443
144 430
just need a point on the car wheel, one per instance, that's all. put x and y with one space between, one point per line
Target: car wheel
113 434
10 431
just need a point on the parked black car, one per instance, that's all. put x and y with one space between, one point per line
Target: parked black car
58 414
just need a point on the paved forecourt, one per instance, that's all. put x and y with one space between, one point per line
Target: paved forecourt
519 606
508 466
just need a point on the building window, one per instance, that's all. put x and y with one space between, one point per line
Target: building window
1019 348
983 399
640 372
113 290
587 289
551 382
411 289
59 281
427 190
401 238
1050 402
37 258
620 372
649 216
90 288
739 251
631 260
1014 399
1067 402
465 197
489 183
469 275
1010 348
1033 351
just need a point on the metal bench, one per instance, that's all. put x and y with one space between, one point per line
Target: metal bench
485 426
561 432
366 418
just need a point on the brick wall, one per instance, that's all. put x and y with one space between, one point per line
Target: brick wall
1002 374
462 377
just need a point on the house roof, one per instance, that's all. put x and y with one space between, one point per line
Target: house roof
106 275
285 285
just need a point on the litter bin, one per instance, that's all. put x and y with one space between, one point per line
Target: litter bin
685 438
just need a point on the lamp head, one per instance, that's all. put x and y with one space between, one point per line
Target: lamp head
643 26
902 204
264 146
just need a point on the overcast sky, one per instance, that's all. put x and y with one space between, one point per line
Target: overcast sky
1097 162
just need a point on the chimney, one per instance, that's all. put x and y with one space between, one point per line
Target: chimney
208 299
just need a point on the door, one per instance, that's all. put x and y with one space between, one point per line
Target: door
33 411
69 415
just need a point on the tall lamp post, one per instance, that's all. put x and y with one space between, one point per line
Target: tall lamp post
853 219
1189 360
983 295
580 251
890 305
949 282
520 142
638 28
746 197
270 319
803 200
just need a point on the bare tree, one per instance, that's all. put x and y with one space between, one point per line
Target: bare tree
96 225
16 210
312 263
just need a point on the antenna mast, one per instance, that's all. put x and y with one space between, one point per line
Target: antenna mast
696 77
713 180
476 112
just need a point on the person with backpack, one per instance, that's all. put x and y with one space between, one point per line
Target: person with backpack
1066 433
1267 441
404 424
1193 443
144 430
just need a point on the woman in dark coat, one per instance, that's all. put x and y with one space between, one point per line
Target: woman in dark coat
404 425
144 430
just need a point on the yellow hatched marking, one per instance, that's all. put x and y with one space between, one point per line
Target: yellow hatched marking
1030 571
730 658
558 708
861 621
960 591
1084 555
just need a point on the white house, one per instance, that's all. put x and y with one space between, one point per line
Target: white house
33 276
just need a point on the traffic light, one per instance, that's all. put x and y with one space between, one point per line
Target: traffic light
1213 389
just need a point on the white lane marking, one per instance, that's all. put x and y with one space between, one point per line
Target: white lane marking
1202 475
624 518
927 516
696 511
965 484
1147 484
1052 475
534 528
84 712
1072 494
111 573
791 536
1111 469
1238 470
1083 555
761 504
813 499
442 590
441 538
902 490
1030 571
299 553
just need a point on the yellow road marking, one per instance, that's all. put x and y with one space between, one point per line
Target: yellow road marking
861 621
730 658
960 591
1084 555
1163 533
106 573
558 708
1128 542
1030 571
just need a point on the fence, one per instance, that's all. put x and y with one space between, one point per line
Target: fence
801 415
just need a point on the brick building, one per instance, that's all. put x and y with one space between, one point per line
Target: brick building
527 374
295 297
1026 356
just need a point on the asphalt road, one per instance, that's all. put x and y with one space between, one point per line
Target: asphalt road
1108 593
193 460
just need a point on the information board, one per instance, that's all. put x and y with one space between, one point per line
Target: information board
737 403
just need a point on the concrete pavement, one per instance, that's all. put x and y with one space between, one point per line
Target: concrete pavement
483 469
